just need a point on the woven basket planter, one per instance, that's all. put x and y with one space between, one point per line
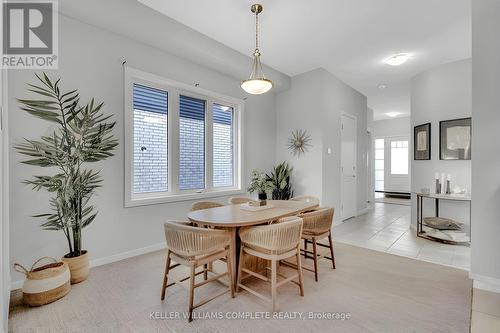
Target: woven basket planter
45 284
78 266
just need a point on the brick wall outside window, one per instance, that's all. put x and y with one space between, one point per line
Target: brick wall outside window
192 154
150 152
223 155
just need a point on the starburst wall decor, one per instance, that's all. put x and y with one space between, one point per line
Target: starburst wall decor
298 143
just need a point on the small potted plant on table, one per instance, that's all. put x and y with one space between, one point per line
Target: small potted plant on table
261 185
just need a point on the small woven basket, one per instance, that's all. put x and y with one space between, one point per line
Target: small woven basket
45 284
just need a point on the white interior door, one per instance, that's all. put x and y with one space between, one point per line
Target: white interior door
348 166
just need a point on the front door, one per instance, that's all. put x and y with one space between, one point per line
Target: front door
397 155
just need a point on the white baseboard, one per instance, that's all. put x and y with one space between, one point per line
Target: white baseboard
485 282
127 254
18 284
108 260
336 223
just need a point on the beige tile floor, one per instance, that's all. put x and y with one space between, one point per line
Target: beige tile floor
386 228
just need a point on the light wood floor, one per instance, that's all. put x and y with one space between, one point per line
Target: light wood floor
380 291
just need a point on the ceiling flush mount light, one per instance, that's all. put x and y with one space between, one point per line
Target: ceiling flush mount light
382 86
257 83
393 114
397 59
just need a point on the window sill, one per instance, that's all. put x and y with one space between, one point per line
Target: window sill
162 199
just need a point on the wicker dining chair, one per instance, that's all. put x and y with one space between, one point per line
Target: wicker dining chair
199 205
306 198
239 200
204 205
273 242
193 247
317 226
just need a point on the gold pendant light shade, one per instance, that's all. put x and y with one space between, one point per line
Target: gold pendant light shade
257 83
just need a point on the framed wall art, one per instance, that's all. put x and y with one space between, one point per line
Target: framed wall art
422 142
455 139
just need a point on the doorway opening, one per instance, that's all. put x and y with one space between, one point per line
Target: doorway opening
391 167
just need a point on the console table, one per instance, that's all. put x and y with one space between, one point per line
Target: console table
437 198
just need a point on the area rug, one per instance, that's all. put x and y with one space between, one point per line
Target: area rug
368 292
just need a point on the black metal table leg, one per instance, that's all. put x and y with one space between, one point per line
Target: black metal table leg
418 214
437 207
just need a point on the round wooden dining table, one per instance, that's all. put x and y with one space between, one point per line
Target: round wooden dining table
233 217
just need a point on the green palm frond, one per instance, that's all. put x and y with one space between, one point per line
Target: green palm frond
280 178
83 134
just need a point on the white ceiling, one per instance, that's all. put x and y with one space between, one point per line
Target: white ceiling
349 38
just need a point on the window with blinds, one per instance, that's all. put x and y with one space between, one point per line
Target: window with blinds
181 142
150 139
223 163
191 143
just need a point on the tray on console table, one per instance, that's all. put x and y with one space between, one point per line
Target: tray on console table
445 236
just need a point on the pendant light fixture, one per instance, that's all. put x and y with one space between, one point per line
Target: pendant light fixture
257 83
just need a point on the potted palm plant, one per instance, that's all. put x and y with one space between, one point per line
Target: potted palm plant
261 185
280 178
80 135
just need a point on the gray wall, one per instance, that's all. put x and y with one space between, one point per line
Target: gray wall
314 103
4 209
301 107
339 98
132 18
442 93
392 127
485 263
91 60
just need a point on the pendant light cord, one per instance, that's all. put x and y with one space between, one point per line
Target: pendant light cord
256 30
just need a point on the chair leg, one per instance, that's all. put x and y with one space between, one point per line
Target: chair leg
165 276
205 271
191 292
240 266
274 273
315 254
229 263
299 269
331 249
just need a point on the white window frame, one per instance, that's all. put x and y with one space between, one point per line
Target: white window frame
174 90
